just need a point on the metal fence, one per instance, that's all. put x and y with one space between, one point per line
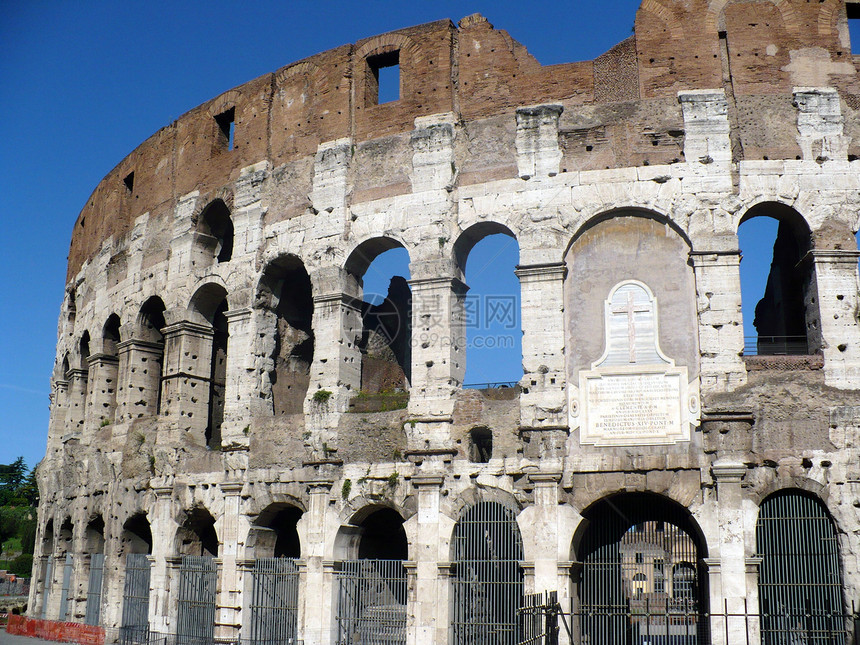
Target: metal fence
775 346
488 581
800 583
135 599
274 604
64 590
94 589
539 619
371 608
198 579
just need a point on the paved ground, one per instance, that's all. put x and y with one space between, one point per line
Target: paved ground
9 639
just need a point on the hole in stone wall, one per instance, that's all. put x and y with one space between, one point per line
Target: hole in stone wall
129 182
480 445
383 78
775 281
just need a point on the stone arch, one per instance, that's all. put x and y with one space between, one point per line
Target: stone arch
150 320
828 15
716 8
196 534
227 100
214 233
274 533
472 235
800 581
284 299
372 531
136 534
384 339
110 334
785 316
478 494
636 533
84 350
658 10
626 211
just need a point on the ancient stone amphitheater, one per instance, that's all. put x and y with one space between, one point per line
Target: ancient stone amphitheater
241 447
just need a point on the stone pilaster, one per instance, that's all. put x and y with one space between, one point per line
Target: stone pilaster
230 598
77 401
101 399
57 424
425 530
139 379
721 332
319 578
820 124
433 160
538 152
732 589
542 401
186 381
706 126
835 288
240 384
165 566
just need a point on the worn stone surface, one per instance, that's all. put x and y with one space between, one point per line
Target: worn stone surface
204 372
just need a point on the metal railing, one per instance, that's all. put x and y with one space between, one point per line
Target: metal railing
775 346
371 606
498 385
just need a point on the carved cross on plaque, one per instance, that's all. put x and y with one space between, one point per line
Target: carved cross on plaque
630 309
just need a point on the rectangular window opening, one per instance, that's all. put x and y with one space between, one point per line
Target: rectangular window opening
383 78
227 125
129 182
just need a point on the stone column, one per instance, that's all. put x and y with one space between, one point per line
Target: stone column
101 400
241 385
139 379
77 398
229 600
438 351
542 401
732 554
185 385
318 596
336 366
429 618
39 587
114 577
161 603
721 331
57 424
835 287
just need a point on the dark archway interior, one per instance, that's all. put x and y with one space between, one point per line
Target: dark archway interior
218 376
383 537
110 335
137 535
95 535
216 222
197 534
152 320
283 520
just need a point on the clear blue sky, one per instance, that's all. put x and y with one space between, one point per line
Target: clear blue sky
83 83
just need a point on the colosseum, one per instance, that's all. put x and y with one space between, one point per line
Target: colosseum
242 448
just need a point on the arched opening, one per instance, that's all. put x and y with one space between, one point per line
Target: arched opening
197 543
94 538
634 549
380 270
64 544
285 296
776 277
274 606
488 580
110 335
80 381
146 359
84 349
47 552
372 579
799 578
210 305
136 545
215 232
487 254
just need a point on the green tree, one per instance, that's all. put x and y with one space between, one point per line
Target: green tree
12 479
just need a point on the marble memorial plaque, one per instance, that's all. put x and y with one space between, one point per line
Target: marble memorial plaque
633 394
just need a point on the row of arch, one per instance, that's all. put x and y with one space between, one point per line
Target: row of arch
637 552
284 297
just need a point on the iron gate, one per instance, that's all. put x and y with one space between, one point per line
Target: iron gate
274 601
198 580
135 599
800 584
48 583
64 590
488 581
371 608
94 589
539 616
640 580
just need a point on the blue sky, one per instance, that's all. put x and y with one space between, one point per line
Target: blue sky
84 83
